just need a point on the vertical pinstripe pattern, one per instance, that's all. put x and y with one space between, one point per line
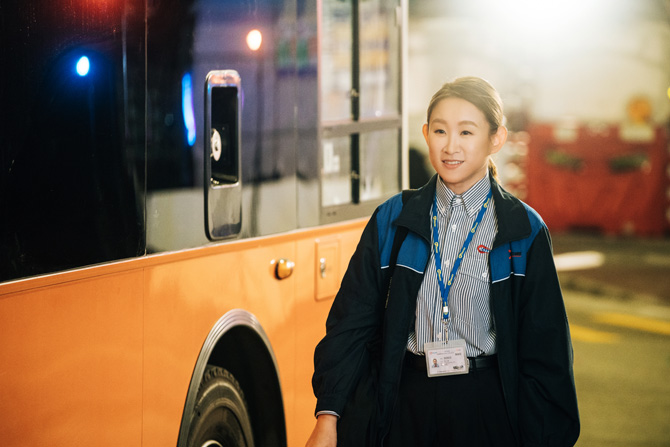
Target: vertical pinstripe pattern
470 311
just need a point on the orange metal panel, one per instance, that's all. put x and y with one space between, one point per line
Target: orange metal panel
104 355
71 363
184 301
313 310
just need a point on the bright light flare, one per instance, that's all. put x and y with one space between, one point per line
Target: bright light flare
580 260
83 66
254 40
546 23
187 108
540 14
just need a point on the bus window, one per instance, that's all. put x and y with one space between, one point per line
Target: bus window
198 37
379 171
336 60
360 106
379 59
110 154
72 150
336 180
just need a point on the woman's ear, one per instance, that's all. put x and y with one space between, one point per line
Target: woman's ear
498 139
424 129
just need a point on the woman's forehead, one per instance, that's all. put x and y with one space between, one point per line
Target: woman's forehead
457 111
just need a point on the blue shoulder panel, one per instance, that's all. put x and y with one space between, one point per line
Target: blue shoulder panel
387 213
511 259
414 251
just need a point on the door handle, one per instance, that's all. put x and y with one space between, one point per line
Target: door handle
283 268
322 267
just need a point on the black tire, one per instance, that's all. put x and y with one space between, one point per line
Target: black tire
221 417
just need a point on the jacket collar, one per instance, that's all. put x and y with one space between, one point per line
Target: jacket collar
513 222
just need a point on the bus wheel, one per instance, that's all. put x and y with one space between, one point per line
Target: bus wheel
221 418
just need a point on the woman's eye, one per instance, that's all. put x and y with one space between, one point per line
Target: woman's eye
440 131
466 132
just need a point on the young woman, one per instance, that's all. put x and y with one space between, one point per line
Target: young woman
451 308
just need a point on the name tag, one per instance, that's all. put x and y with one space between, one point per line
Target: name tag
446 359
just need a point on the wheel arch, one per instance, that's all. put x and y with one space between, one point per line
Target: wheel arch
238 343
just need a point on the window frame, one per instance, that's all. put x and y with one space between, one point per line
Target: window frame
356 126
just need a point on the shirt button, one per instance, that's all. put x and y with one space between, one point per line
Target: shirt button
453 228
483 275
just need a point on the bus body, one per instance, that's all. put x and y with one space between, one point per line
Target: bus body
182 185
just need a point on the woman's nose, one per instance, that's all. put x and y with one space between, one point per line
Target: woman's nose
450 146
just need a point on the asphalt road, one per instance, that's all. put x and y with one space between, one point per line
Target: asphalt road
617 294
622 370
627 269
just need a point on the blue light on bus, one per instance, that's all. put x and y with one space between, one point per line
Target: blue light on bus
83 66
187 108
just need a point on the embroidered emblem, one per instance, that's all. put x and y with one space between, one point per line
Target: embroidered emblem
483 249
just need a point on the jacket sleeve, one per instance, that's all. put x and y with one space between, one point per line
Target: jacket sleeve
353 325
548 413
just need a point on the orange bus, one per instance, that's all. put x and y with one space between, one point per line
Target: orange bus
182 183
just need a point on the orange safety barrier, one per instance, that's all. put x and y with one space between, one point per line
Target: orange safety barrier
610 179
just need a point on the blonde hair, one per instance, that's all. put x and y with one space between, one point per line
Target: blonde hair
482 95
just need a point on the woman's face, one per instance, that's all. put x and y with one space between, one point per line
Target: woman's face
459 143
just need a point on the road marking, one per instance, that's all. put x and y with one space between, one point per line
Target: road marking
579 260
634 322
588 335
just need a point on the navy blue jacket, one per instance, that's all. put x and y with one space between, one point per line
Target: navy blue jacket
369 325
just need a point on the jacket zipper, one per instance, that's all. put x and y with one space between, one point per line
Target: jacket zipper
388 293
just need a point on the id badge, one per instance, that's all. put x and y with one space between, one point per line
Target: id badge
443 359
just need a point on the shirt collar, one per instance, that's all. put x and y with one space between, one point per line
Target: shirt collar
473 198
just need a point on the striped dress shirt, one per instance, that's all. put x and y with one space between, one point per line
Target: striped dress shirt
469 308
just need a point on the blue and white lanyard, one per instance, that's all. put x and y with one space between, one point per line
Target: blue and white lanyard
446 286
